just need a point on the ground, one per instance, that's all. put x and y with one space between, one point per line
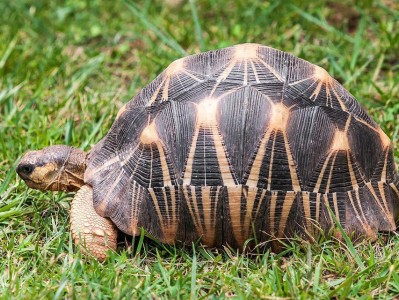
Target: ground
66 67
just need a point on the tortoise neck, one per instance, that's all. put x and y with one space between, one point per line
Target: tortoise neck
74 169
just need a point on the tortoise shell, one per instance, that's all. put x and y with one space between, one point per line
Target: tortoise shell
241 142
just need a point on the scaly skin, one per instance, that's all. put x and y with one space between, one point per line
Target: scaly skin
93 233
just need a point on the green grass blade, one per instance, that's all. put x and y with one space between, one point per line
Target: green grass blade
93 133
168 40
347 283
317 275
358 43
193 275
68 131
80 77
59 292
197 25
8 51
348 241
7 180
322 24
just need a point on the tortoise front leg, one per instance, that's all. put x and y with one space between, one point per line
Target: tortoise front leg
93 233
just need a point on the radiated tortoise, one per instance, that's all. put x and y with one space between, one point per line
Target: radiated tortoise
223 146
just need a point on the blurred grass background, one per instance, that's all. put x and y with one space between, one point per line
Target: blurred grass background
66 67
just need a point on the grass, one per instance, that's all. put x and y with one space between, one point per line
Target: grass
66 67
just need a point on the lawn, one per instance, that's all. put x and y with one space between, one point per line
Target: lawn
66 67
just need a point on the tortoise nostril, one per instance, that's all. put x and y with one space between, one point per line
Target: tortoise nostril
25 169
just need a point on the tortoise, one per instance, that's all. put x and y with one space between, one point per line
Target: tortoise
224 146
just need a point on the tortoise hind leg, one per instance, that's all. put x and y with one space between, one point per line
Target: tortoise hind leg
92 232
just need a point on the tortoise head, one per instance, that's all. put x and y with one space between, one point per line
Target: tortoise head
55 168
